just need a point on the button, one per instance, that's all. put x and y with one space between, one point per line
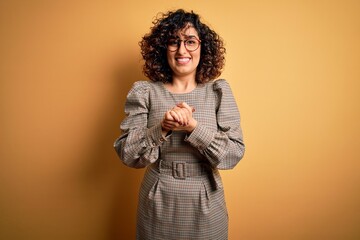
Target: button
161 139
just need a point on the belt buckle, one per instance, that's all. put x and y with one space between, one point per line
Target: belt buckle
179 169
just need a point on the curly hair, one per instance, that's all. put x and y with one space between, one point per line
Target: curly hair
154 47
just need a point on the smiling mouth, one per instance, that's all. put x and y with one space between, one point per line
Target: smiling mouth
182 60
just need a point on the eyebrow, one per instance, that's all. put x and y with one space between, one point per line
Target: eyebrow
186 36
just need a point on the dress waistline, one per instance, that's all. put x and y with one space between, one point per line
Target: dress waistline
183 169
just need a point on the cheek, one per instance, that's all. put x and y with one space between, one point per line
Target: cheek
198 54
197 57
168 56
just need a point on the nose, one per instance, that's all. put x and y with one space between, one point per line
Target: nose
182 47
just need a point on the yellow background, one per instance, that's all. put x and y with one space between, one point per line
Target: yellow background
65 69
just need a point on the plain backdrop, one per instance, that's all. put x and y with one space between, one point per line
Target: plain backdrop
65 70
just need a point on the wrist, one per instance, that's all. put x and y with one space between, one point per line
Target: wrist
164 131
192 125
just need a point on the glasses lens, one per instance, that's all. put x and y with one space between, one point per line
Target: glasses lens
191 44
173 45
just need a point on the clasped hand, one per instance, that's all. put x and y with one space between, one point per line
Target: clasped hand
179 118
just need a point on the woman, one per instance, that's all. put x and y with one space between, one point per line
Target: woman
183 126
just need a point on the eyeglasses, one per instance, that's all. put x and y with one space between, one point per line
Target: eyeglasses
191 44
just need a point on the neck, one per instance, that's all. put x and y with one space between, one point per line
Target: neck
182 85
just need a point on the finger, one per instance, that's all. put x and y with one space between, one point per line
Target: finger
172 125
185 105
166 121
175 115
183 113
184 116
168 126
188 111
169 122
167 116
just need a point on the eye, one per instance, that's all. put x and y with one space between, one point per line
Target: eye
173 42
190 42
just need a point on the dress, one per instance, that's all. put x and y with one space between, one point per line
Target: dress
181 195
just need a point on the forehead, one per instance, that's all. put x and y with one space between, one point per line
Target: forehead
187 31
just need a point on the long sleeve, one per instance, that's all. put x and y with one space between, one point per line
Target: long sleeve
138 145
225 147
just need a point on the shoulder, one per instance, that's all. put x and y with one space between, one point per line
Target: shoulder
138 95
144 86
139 87
218 86
221 85
222 91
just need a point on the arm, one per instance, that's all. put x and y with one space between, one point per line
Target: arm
225 147
138 145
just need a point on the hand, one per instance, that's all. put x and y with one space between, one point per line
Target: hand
179 118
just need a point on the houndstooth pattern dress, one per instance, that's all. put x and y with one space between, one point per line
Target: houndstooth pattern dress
185 201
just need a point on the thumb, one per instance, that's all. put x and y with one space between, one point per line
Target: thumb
185 105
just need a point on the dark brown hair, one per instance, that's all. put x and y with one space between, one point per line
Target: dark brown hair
154 46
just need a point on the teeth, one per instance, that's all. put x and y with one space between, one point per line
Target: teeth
183 59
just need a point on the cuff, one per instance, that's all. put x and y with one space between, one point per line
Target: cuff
154 136
200 137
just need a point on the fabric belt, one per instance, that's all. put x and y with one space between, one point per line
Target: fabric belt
182 169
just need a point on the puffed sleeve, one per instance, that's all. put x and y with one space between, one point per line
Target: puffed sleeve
138 145
225 147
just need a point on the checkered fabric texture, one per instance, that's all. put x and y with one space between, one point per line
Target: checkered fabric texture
192 207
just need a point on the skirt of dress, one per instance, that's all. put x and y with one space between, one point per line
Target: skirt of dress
179 209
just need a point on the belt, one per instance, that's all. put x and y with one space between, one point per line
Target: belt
183 169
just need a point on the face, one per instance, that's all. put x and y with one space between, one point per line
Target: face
183 62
